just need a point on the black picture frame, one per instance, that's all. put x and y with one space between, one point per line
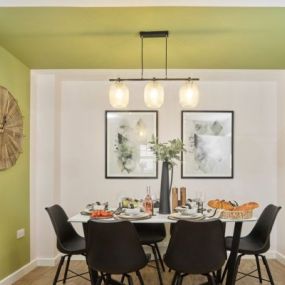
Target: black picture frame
114 144
196 164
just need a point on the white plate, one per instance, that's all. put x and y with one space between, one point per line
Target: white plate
134 217
196 216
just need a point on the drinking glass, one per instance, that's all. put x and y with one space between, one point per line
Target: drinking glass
200 199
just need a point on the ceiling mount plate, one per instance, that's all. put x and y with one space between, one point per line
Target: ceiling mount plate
154 34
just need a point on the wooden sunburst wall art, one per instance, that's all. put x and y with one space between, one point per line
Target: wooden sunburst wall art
11 129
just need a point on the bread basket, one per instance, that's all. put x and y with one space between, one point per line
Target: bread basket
236 215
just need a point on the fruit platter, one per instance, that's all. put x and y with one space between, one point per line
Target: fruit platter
101 214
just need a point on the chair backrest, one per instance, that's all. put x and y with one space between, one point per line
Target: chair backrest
196 247
113 247
63 229
153 228
262 229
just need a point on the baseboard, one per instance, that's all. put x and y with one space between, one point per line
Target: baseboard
48 261
271 254
280 257
78 257
12 278
9 280
19 273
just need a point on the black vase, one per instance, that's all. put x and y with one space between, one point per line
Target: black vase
165 188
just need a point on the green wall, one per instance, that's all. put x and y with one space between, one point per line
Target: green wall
14 182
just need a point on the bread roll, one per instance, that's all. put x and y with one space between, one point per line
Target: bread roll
216 204
224 205
227 206
220 204
247 206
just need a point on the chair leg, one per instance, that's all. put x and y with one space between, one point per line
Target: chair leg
157 265
159 256
58 269
267 269
175 277
93 276
140 278
66 268
258 268
211 279
224 272
218 276
99 280
108 279
104 277
180 280
130 280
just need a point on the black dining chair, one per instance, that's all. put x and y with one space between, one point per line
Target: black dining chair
68 241
113 248
196 248
256 243
150 235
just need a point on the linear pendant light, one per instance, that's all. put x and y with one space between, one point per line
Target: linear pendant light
154 91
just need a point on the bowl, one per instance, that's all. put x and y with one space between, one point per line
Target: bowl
180 209
132 212
186 211
98 207
189 212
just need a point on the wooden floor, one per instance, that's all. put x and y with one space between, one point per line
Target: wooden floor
44 275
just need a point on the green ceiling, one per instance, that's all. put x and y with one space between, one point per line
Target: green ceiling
231 38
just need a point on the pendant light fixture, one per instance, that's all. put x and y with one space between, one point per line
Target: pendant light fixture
119 94
189 95
153 94
154 91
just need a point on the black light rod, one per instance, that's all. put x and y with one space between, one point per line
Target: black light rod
154 34
156 79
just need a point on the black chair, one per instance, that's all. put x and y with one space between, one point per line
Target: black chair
113 247
196 248
68 241
150 235
257 242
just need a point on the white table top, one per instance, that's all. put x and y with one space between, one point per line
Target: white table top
158 218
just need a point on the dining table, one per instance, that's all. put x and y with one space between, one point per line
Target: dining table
165 218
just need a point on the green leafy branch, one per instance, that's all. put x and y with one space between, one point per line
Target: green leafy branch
169 152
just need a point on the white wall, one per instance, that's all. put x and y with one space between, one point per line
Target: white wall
78 154
42 175
281 170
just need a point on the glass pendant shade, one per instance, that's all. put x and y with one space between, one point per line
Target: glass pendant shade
189 95
119 95
153 94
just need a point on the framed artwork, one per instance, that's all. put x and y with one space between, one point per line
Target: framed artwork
208 137
128 153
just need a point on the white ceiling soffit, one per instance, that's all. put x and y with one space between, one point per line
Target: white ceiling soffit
141 3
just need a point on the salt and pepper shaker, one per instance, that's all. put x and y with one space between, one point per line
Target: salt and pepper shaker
183 196
174 198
